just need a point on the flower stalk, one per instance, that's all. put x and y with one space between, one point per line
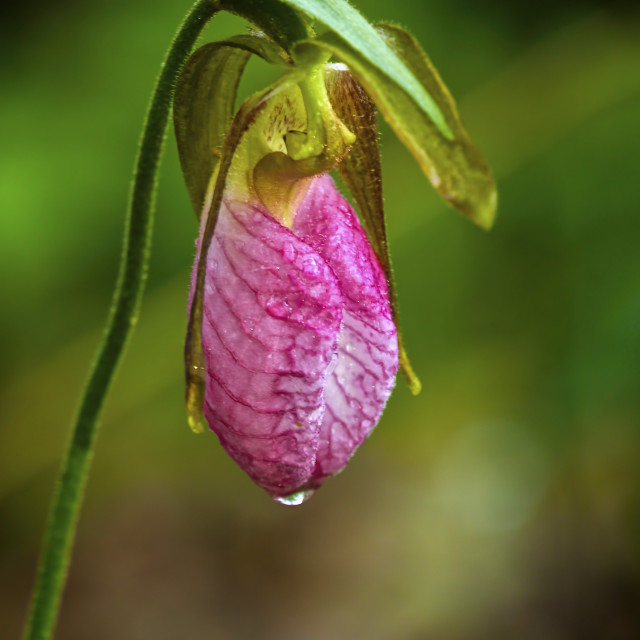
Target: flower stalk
123 316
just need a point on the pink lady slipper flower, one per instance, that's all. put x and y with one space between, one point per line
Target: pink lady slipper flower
299 341
292 348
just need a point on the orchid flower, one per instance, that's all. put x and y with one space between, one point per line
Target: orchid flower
292 345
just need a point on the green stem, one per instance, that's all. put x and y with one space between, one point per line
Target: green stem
281 23
60 531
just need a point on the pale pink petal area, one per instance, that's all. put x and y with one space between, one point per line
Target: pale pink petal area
272 315
359 385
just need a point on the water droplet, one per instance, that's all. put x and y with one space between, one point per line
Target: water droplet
294 499
310 267
288 252
278 307
333 363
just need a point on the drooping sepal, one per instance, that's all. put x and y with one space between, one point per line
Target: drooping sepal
204 104
362 173
454 165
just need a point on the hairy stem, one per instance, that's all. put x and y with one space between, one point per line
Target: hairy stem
65 508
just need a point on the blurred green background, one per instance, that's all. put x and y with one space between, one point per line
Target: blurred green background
503 502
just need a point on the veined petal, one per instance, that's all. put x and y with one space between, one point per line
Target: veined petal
357 389
272 315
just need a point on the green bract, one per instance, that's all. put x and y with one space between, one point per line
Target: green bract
329 121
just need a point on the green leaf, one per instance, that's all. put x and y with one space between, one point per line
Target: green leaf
453 165
204 101
348 25
362 173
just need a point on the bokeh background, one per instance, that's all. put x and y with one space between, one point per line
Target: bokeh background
503 502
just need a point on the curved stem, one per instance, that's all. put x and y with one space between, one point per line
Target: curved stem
59 535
